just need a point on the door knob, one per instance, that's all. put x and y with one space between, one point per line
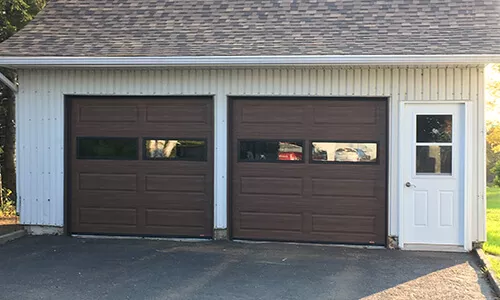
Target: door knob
409 184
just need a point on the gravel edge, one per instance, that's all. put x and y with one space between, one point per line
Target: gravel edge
11 236
486 267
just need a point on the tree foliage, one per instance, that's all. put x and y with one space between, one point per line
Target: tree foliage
15 14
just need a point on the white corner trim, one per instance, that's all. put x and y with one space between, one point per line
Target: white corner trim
297 60
11 85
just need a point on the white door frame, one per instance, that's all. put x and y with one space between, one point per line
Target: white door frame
467 176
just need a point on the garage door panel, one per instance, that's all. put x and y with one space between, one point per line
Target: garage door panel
176 183
106 113
175 218
270 221
271 185
107 216
340 114
343 187
347 223
117 189
274 113
107 182
179 113
320 205
329 196
328 237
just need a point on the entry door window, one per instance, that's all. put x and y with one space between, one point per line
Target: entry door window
434 144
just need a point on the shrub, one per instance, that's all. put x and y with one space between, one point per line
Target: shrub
7 205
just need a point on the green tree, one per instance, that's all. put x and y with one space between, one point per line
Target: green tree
493 123
14 15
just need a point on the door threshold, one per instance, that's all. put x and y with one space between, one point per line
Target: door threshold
433 247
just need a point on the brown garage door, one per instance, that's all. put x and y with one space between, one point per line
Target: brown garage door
309 169
141 166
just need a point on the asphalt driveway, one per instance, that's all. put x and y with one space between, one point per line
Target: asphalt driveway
73 268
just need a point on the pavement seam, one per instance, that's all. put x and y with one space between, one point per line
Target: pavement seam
488 270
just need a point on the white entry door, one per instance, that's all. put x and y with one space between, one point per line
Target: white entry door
432 164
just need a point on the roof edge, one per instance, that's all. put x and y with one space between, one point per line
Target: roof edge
295 60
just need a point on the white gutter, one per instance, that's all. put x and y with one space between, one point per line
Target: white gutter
11 85
64 61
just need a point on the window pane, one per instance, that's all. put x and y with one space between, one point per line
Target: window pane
107 148
434 128
195 150
270 151
344 152
434 159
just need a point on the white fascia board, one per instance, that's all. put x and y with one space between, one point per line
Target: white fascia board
64 61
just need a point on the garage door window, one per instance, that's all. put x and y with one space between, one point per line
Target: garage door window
110 148
344 152
271 151
175 149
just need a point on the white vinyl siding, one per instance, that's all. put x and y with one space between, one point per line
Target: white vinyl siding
40 117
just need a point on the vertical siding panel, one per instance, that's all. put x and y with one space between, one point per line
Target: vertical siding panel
58 149
44 116
356 83
290 89
320 82
372 83
473 84
298 81
418 89
440 87
335 82
248 82
327 82
24 87
55 186
37 163
426 83
479 214
350 82
466 84
457 84
48 110
403 79
388 82
343 82
253 82
379 85
395 85
410 84
306 81
365 82
284 81
450 84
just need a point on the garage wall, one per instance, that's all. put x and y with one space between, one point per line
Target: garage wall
40 115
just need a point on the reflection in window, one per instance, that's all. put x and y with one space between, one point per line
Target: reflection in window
194 150
270 151
107 148
434 159
344 152
434 128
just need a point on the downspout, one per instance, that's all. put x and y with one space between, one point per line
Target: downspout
11 85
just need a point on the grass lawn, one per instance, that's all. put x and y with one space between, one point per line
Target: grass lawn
492 246
493 221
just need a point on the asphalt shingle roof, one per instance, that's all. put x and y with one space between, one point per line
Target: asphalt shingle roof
259 27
